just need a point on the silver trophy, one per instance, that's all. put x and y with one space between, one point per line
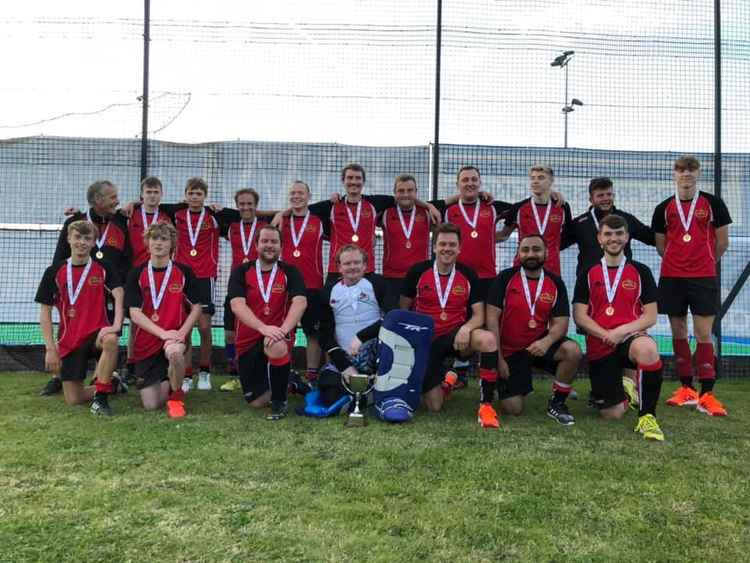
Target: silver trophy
358 385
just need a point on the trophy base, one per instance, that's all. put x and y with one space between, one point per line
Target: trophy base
355 419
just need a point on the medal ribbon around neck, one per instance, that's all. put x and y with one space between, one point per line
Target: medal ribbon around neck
193 235
527 292
265 292
247 243
144 216
156 299
73 294
686 222
472 224
101 239
407 232
296 239
612 289
593 216
354 223
443 297
541 226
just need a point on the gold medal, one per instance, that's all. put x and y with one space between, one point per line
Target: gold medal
266 310
99 254
296 253
71 312
408 244
686 237
532 323
245 260
193 252
609 311
443 316
155 317
355 238
474 234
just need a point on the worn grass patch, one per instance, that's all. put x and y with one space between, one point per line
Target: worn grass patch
226 485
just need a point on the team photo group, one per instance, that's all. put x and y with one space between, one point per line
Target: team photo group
156 264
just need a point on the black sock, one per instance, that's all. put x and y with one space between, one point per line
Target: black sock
687 381
279 375
486 391
651 378
487 376
707 385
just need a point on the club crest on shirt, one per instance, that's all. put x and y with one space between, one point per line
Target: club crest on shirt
701 213
310 229
174 288
366 214
419 218
554 218
278 288
628 284
112 241
459 290
485 213
95 280
546 297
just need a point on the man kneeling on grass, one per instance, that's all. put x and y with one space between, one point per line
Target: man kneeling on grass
163 302
77 287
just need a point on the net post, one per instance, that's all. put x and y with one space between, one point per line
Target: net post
717 158
144 96
436 135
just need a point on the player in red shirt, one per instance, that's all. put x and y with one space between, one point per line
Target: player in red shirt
164 305
528 312
406 236
615 302
447 291
692 234
539 214
77 286
268 299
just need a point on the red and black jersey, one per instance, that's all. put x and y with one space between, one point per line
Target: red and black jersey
205 263
243 282
636 289
695 258
419 285
115 247
182 292
310 259
235 240
400 254
507 293
477 252
89 313
340 230
522 217
136 229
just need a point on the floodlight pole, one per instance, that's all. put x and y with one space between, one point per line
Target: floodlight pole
436 136
565 105
717 160
144 97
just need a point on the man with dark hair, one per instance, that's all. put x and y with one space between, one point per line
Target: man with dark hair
448 292
268 299
692 234
583 229
77 286
528 313
614 302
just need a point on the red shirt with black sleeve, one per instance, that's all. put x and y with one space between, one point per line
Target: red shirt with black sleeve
235 240
136 229
695 258
181 293
521 217
89 313
637 288
477 253
340 230
507 293
419 285
205 264
310 259
400 254
243 282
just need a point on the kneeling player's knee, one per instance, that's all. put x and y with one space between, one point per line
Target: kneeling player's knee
277 350
109 341
486 342
646 352
571 351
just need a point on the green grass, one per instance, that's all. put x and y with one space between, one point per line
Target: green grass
226 485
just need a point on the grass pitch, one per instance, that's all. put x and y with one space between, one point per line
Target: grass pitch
226 485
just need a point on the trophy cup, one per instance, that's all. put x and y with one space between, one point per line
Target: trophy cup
358 385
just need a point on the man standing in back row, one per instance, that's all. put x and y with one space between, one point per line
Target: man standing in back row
692 234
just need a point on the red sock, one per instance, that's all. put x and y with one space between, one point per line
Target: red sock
103 387
704 359
177 395
189 371
283 360
683 358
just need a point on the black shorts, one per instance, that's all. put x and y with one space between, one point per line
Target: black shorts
520 364
441 350
253 371
206 291
606 374
311 317
229 317
392 293
676 295
73 366
483 288
151 371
